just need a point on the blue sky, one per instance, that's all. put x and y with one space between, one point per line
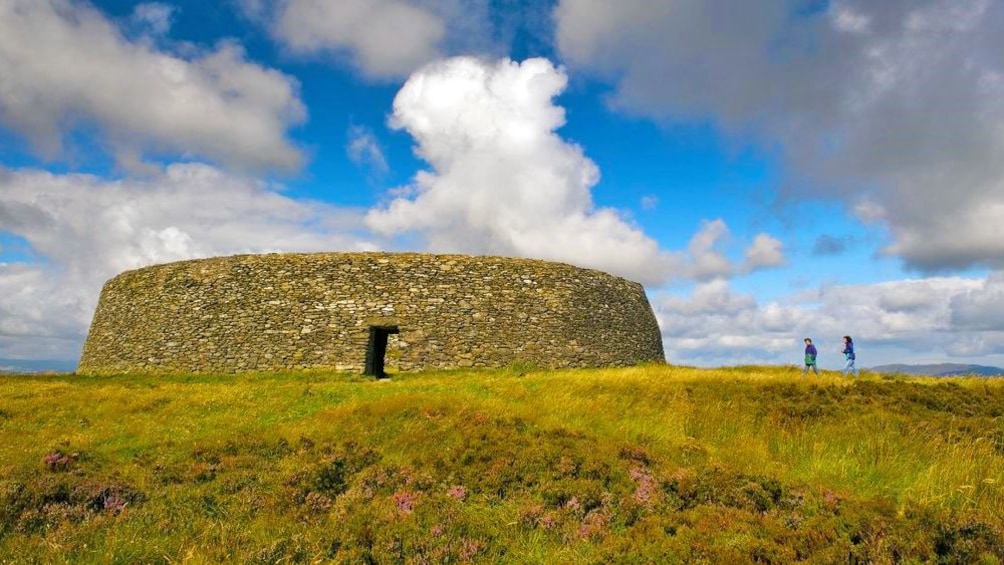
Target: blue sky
769 172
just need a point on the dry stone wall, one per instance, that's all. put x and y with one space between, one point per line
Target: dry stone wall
301 311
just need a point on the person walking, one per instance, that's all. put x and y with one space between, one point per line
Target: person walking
849 355
810 357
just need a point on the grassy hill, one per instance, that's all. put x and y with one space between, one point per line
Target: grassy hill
647 464
941 370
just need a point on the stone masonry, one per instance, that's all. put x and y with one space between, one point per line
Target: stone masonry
304 311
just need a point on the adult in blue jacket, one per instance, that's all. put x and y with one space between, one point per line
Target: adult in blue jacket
849 355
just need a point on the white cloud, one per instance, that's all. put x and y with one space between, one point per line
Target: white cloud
64 64
982 308
847 19
155 16
39 319
705 258
364 149
649 202
896 321
389 39
894 107
765 252
386 38
502 181
87 229
870 212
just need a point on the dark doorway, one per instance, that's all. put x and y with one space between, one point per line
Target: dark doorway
376 350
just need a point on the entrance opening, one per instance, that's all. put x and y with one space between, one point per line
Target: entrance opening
376 350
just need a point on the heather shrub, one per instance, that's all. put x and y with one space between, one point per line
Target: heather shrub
640 465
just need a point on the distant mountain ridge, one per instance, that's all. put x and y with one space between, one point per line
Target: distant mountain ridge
941 370
36 366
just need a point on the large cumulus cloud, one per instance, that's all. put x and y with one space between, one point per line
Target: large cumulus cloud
64 65
502 181
895 107
84 229
386 40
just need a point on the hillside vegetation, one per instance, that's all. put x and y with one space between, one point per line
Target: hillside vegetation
651 464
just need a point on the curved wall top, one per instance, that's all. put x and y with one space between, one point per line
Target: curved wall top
318 310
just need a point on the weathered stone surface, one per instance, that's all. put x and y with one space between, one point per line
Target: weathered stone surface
293 311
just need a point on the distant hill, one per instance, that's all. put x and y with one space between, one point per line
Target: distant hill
36 366
941 370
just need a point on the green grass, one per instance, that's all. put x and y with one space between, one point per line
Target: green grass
650 464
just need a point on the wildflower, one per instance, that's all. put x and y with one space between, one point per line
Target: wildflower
113 503
458 492
594 524
470 548
645 486
58 461
404 501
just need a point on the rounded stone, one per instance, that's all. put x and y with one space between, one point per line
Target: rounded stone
218 315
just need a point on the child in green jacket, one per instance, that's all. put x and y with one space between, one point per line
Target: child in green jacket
810 357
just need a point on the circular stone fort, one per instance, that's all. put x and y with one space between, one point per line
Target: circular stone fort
366 312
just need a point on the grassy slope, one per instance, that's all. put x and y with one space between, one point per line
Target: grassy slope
647 464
